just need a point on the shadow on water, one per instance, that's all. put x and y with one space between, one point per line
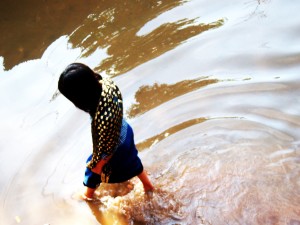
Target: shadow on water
31 26
115 26
28 27
150 141
149 97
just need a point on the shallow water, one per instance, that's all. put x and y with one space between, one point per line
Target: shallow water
211 90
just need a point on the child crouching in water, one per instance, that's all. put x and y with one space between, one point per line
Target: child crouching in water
114 158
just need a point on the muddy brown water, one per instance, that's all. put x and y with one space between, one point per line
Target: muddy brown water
210 88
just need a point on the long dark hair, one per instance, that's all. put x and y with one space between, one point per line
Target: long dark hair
81 86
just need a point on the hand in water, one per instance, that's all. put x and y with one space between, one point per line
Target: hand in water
83 196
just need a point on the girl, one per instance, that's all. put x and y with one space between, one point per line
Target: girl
115 157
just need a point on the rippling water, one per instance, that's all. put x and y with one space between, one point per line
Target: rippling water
210 88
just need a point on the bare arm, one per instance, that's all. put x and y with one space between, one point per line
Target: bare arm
89 192
98 168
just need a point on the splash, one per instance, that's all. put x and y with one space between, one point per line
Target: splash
127 203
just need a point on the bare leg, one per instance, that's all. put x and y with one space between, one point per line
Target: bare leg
146 182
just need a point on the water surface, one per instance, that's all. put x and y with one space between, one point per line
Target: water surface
211 90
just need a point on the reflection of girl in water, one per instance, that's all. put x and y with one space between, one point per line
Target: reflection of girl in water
114 158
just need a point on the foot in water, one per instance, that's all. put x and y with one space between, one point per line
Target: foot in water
148 187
